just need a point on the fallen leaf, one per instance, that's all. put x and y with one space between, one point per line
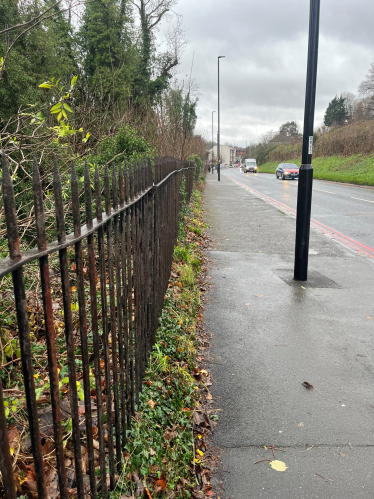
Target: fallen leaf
160 484
308 386
152 452
278 465
368 317
170 433
259 296
300 425
151 403
139 484
302 287
247 304
342 454
209 396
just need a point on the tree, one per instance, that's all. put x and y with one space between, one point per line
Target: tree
105 39
288 132
151 13
366 87
34 45
336 112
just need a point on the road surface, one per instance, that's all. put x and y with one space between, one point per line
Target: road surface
344 212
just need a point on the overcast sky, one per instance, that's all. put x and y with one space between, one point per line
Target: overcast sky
262 78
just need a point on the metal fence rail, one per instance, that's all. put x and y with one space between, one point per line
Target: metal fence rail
122 261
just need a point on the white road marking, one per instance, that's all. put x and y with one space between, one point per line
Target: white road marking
363 200
314 189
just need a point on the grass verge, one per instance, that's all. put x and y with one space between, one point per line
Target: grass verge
161 455
357 169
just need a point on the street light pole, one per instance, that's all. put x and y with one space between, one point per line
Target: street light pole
212 143
304 192
218 137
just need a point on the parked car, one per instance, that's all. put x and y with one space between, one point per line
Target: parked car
250 165
287 170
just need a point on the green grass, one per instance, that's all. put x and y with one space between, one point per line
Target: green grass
357 169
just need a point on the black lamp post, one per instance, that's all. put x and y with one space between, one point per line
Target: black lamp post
218 143
304 192
212 144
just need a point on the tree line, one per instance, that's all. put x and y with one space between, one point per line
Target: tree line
348 128
110 48
86 80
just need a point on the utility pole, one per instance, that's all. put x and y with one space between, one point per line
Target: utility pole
212 143
304 192
218 132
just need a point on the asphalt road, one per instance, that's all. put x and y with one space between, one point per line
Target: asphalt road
344 208
270 334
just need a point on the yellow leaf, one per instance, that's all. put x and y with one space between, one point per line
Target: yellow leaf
201 453
56 108
278 465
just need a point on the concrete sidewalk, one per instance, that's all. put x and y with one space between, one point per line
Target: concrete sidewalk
270 334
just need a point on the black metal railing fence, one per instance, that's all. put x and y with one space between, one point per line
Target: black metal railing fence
112 274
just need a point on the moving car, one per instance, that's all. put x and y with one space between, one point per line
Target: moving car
250 165
287 170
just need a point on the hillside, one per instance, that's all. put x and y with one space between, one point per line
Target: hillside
356 169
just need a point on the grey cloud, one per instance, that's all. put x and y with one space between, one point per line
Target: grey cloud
265 44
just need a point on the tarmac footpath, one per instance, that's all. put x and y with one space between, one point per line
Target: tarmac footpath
270 335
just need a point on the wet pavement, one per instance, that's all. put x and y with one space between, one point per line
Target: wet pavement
270 334
347 208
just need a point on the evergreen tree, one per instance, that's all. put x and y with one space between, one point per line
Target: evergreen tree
336 112
105 40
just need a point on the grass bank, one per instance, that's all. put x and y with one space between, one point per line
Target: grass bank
357 169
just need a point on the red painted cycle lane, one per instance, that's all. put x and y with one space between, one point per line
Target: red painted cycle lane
338 236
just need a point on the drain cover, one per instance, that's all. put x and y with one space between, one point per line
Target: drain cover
315 279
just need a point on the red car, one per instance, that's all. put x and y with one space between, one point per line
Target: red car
287 170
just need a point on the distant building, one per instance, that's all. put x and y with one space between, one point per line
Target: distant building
229 154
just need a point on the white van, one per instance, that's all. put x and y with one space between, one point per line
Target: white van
250 166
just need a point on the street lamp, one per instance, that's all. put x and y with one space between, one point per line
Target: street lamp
304 190
218 144
212 144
